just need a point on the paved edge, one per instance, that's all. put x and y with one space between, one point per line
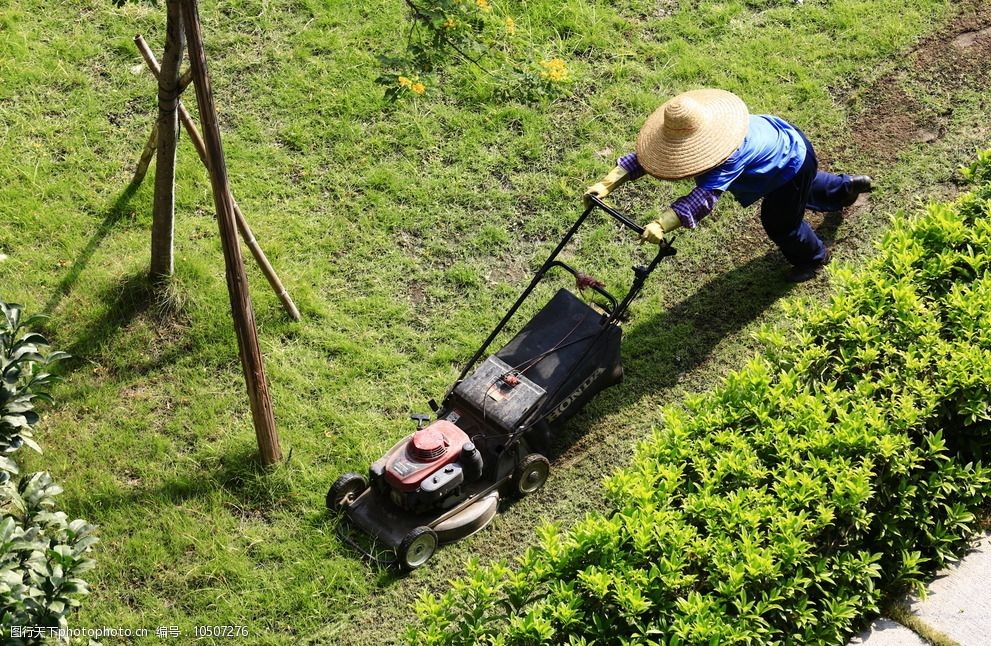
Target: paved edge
887 632
957 606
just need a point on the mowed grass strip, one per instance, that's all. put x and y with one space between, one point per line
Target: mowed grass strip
402 233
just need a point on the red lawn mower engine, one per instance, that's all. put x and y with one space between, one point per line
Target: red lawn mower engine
427 469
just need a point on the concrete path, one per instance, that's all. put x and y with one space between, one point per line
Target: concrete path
885 632
957 609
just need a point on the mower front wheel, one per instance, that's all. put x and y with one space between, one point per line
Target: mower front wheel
417 548
344 490
530 474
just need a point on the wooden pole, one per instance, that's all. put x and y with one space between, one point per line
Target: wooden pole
185 80
163 212
141 169
237 286
242 223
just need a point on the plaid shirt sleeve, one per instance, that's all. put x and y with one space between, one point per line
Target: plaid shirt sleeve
696 205
629 163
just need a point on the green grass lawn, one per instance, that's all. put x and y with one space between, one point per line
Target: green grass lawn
403 234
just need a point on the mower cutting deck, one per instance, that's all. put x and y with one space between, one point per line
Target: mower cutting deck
444 482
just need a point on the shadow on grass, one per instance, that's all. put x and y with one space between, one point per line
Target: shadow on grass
250 489
114 214
127 299
377 558
131 298
658 351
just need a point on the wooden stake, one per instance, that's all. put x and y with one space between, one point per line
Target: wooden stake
242 223
163 212
185 79
141 169
237 286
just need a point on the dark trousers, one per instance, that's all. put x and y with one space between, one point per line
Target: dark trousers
782 212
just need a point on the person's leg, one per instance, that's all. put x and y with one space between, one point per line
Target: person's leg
782 214
830 192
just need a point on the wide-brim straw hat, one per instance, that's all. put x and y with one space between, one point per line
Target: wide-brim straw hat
692 133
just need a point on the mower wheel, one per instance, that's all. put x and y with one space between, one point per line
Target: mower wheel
344 490
417 547
530 474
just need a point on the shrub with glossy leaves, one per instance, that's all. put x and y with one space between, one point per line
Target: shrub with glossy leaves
42 554
846 462
24 380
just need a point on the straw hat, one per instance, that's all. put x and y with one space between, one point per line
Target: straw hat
691 133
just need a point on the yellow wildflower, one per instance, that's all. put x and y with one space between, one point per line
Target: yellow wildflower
510 26
418 88
450 23
484 5
405 82
554 70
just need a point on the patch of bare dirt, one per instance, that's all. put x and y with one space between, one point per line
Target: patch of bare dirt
893 112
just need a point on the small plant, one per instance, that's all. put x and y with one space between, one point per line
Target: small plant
42 554
475 33
979 171
23 381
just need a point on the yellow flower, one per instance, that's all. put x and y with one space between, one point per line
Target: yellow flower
450 23
510 26
484 5
405 82
554 70
418 88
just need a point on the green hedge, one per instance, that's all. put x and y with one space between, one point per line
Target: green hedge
42 553
844 464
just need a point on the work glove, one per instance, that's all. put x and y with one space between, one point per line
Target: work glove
616 177
654 231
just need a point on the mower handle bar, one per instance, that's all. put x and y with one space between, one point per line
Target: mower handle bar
641 273
595 288
620 217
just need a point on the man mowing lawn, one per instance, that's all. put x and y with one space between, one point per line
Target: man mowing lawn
710 135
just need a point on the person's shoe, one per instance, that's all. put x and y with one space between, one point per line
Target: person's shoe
808 271
858 184
861 183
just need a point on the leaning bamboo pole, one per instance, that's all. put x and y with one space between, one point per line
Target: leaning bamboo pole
237 285
242 223
141 168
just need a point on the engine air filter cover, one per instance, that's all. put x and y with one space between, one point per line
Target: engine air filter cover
428 444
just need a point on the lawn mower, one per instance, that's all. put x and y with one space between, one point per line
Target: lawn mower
444 481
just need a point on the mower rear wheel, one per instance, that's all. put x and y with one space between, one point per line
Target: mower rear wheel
344 490
417 547
531 474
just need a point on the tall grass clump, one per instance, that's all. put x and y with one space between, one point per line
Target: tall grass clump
844 464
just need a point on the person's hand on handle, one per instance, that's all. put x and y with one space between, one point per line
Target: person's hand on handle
616 177
653 232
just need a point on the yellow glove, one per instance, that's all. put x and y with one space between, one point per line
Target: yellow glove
666 223
616 177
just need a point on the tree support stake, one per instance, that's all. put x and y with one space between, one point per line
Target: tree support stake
242 224
237 285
